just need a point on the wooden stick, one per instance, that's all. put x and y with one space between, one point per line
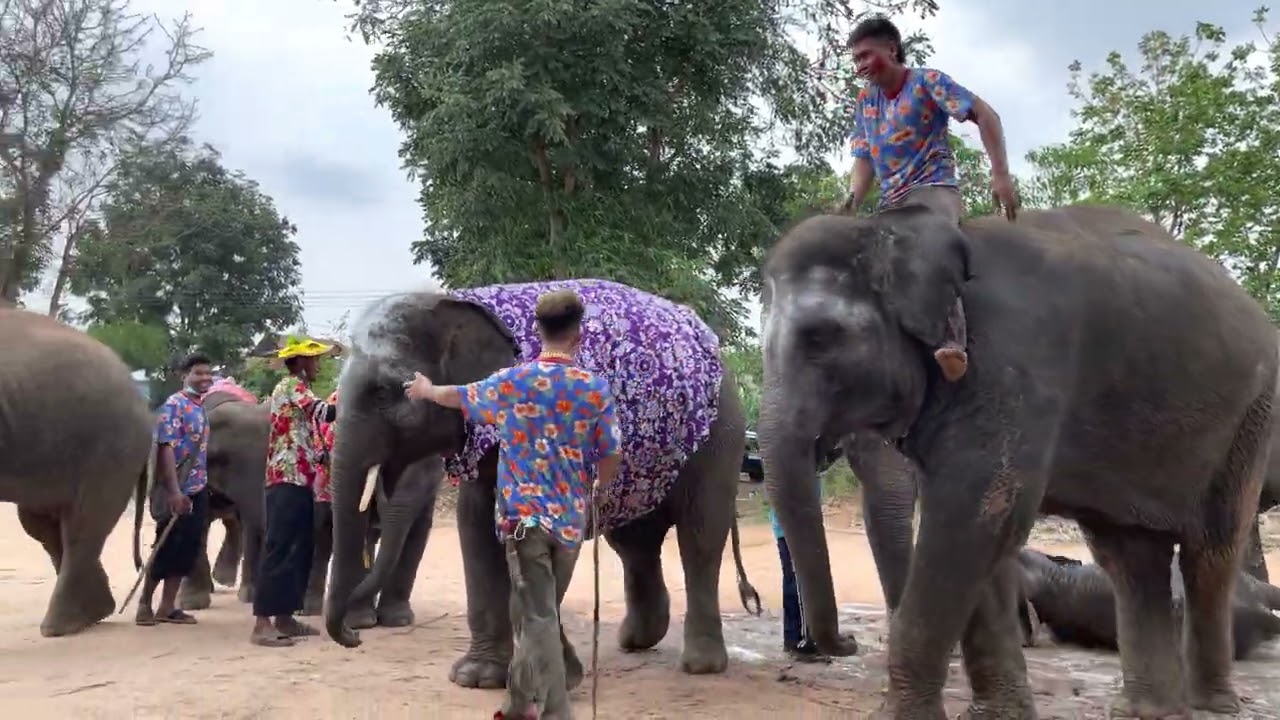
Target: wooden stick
146 566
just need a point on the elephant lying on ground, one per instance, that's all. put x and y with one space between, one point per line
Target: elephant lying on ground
1116 377
74 437
679 413
237 458
1077 603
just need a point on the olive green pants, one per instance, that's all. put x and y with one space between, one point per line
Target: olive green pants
541 569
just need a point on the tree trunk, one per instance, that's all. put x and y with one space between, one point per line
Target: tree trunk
64 273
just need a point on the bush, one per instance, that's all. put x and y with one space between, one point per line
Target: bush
839 480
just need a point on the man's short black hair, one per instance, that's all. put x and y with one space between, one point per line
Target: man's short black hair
192 360
879 27
559 313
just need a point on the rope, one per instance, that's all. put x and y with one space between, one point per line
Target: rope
595 613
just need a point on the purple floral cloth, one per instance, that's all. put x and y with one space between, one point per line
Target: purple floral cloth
662 364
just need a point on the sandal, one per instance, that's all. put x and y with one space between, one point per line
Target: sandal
271 640
176 617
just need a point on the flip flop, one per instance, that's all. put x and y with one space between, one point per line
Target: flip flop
271 641
176 617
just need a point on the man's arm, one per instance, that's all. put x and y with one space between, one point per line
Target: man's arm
863 171
169 430
963 106
608 439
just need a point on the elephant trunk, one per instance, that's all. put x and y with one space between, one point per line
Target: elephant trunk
787 449
358 448
397 512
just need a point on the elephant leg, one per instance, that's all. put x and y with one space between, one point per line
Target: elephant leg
488 585
639 546
1137 563
82 594
253 533
888 508
228 561
313 603
1255 561
992 644
43 529
196 591
363 615
394 609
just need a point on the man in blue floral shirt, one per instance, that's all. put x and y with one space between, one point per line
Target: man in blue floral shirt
555 421
182 439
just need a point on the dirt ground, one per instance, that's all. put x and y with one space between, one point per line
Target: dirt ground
117 670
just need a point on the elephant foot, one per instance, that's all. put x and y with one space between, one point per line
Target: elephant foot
642 630
922 710
394 613
245 593
63 621
362 618
573 670
194 599
473 671
313 605
1123 707
704 655
1224 701
1016 707
225 575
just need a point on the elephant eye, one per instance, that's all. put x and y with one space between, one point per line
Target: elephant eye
819 334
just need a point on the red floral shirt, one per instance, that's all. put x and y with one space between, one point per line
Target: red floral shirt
295 449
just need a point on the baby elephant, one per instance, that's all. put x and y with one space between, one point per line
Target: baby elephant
1076 602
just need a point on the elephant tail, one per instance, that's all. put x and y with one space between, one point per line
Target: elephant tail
139 502
746 591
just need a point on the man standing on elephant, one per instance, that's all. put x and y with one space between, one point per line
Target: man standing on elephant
554 419
295 452
182 440
900 135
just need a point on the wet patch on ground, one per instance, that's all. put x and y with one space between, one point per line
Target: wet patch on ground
1067 682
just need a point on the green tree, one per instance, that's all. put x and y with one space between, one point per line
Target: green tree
76 92
555 139
746 364
1190 138
142 347
189 246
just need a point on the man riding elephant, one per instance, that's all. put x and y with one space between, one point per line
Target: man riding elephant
679 413
901 137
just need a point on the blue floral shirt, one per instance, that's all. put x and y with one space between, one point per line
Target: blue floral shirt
183 425
554 422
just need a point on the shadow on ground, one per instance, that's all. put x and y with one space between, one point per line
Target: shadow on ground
1067 682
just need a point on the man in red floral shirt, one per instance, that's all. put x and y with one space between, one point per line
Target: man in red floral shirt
295 452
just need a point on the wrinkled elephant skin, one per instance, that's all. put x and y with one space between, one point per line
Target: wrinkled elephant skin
1096 341
457 339
1077 603
70 473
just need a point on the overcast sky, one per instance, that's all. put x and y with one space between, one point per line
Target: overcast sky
285 98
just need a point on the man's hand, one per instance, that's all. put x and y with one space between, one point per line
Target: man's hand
179 504
1004 195
419 388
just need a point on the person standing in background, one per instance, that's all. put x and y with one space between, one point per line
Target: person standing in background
182 478
795 633
295 453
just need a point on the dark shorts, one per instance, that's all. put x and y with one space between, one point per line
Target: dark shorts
177 556
281 583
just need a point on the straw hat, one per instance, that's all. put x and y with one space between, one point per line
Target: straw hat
303 347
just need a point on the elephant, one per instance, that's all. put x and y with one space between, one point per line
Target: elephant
1078 605
74 435
635 340
237 458
1117 378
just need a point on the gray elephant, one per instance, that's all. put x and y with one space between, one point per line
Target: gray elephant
74 435
1117 377
237 458
1078 605
683 428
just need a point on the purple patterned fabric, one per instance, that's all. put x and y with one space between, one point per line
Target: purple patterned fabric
662 363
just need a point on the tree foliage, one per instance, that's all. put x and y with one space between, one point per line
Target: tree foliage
142 347
617 138
74 94
188 246
1190 137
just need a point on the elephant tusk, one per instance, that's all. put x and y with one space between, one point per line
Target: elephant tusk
370 482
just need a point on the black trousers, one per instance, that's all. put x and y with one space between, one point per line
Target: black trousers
177 556
285 564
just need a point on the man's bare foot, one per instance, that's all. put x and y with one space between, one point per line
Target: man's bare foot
145 617
953 361
270 638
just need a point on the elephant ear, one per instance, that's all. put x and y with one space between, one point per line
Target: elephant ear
473 340
924 263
